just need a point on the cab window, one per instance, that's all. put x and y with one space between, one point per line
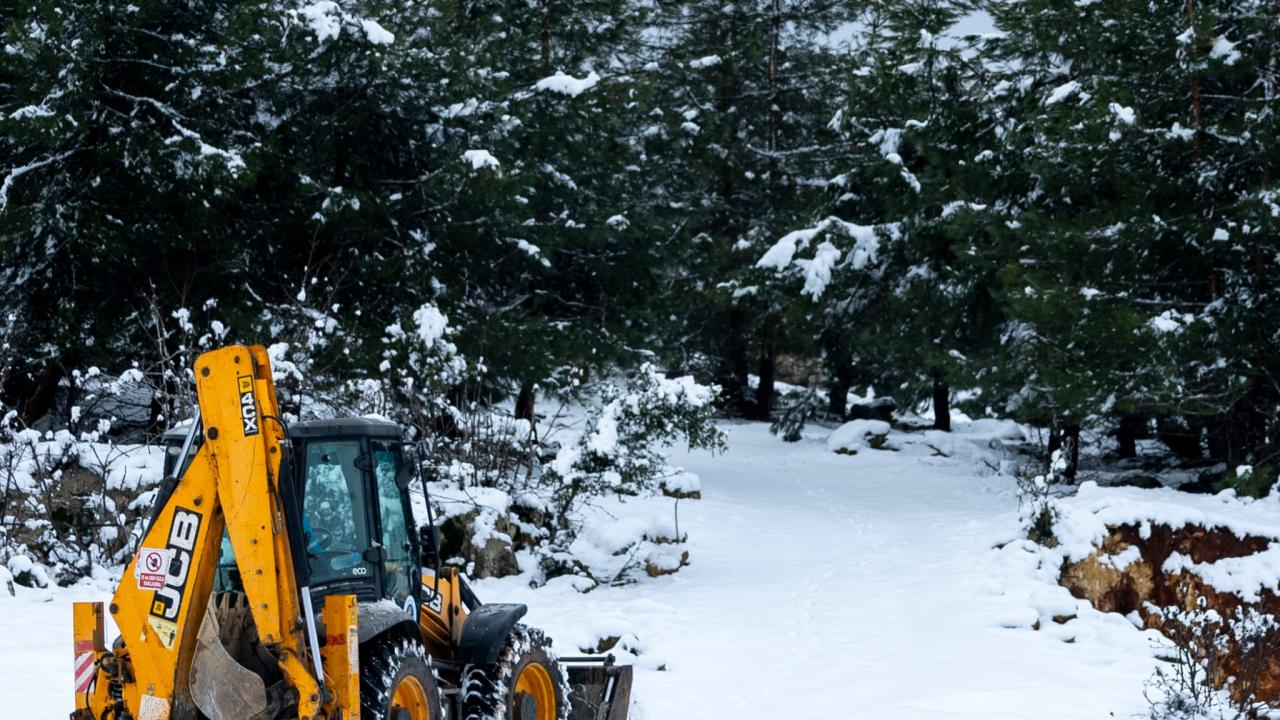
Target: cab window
392 516
334 516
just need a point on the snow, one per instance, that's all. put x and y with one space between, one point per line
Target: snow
682 481
685 388
1062 92
1084 517
604 439
854 434
1171 321
431 323
867 582
1224 50
892 582
324 18
817 271
567 84
481 159
705 62
377 34
1245 576
1123 113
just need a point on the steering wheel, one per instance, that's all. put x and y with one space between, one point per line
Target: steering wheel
320 538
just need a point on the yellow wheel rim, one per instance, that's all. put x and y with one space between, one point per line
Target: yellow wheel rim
536 684
411 697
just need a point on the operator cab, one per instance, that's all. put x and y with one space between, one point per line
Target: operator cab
350 481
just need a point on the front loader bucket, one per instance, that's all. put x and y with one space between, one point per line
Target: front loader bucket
598 689
222 688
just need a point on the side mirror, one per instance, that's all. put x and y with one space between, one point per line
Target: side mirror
429 541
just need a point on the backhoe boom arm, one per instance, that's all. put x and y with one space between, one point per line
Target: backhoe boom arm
232 483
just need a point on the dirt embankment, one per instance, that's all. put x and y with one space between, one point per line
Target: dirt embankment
1132 572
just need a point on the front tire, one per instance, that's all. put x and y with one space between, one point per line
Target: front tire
396 680
525 684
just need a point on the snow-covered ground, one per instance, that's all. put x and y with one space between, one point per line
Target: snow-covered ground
821 585
824 585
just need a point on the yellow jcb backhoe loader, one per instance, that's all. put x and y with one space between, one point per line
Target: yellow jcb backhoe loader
282 576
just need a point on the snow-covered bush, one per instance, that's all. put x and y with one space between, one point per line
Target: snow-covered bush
1255 481
1037 511
422 365
797 410
69 504
503 491
621 451
1195 682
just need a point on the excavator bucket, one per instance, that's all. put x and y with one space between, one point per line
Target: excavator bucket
598 689
221 687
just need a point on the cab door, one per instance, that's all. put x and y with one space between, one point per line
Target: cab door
400 576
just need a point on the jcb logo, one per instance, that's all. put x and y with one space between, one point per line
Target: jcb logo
248 408
182 542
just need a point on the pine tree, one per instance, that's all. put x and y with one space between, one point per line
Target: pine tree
111 172
744 110
548 233
908 306
1142 137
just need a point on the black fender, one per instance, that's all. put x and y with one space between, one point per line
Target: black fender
485 632
374 619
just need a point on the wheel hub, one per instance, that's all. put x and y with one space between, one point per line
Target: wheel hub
526 707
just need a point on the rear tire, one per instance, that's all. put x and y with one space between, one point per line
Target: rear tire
396 680
525 684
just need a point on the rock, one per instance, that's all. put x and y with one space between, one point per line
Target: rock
881 408
857 434
1131 479
660 564
79 481
603 646
495 557
682 485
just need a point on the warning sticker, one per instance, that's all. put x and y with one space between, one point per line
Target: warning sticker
152 568
153 708
166 631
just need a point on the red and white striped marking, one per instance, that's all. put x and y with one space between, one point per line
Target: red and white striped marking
85 670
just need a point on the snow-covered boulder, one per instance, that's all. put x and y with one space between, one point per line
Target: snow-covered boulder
682 485
856 435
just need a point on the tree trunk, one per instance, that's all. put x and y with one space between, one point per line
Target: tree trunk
735 381
525 402
839 393
545 37
1071 443
775 101
33 395
768 376
1182 439
1131 426
1055 441
941 402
